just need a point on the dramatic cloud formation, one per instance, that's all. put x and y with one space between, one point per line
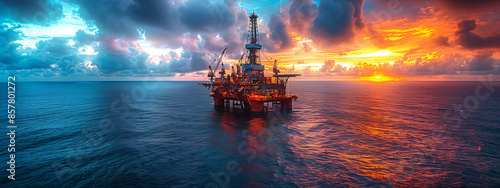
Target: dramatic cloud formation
8 49
302 13
473 41
42 12
279 37
334 23
328 39
468 5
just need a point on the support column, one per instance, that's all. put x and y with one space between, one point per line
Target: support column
257 106
286 104
218 102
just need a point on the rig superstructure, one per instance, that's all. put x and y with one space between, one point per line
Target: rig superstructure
247 87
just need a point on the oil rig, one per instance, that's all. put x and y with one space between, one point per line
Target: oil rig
247 87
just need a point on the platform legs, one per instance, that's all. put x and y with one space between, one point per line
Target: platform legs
257 106
218 103
286 105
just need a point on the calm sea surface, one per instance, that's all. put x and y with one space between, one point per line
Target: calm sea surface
339 134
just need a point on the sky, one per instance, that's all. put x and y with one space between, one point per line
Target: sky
384 40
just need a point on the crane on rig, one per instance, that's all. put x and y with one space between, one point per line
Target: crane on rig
238 65
211 73
275 64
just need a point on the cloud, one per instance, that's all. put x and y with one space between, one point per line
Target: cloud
377 39
8 49
481 62
302 13
330 23
335 22
41 12
118 56
469 40
201 28
427 65
51 57
442 41
469 5
279 36
109 63
189 62
204 16
358 13
192 33
173 24
82 38
327 66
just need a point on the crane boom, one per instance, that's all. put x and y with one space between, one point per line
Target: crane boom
220 59
241 58
211 73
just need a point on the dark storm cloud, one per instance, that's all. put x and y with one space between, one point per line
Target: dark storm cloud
199 27
332 22
41 12
302 13
202 26
152 12
203 16
358 13
470 40
481 62
468 5
8 49
442 41
335 21
110 16
296 16
162 22
196 25
279 38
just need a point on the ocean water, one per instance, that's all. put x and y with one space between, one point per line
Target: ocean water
339 134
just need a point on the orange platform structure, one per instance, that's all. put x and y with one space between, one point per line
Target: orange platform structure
247 86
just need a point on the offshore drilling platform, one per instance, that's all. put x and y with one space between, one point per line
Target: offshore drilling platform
247 87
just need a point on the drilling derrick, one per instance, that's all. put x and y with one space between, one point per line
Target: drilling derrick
248 88
253 47
252 66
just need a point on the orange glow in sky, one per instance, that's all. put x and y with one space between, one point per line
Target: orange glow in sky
379 77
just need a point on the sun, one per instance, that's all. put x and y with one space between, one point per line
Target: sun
379 77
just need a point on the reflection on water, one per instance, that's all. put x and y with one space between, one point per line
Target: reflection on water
365 134
340 134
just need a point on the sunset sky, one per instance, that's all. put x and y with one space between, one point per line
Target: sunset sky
320 39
